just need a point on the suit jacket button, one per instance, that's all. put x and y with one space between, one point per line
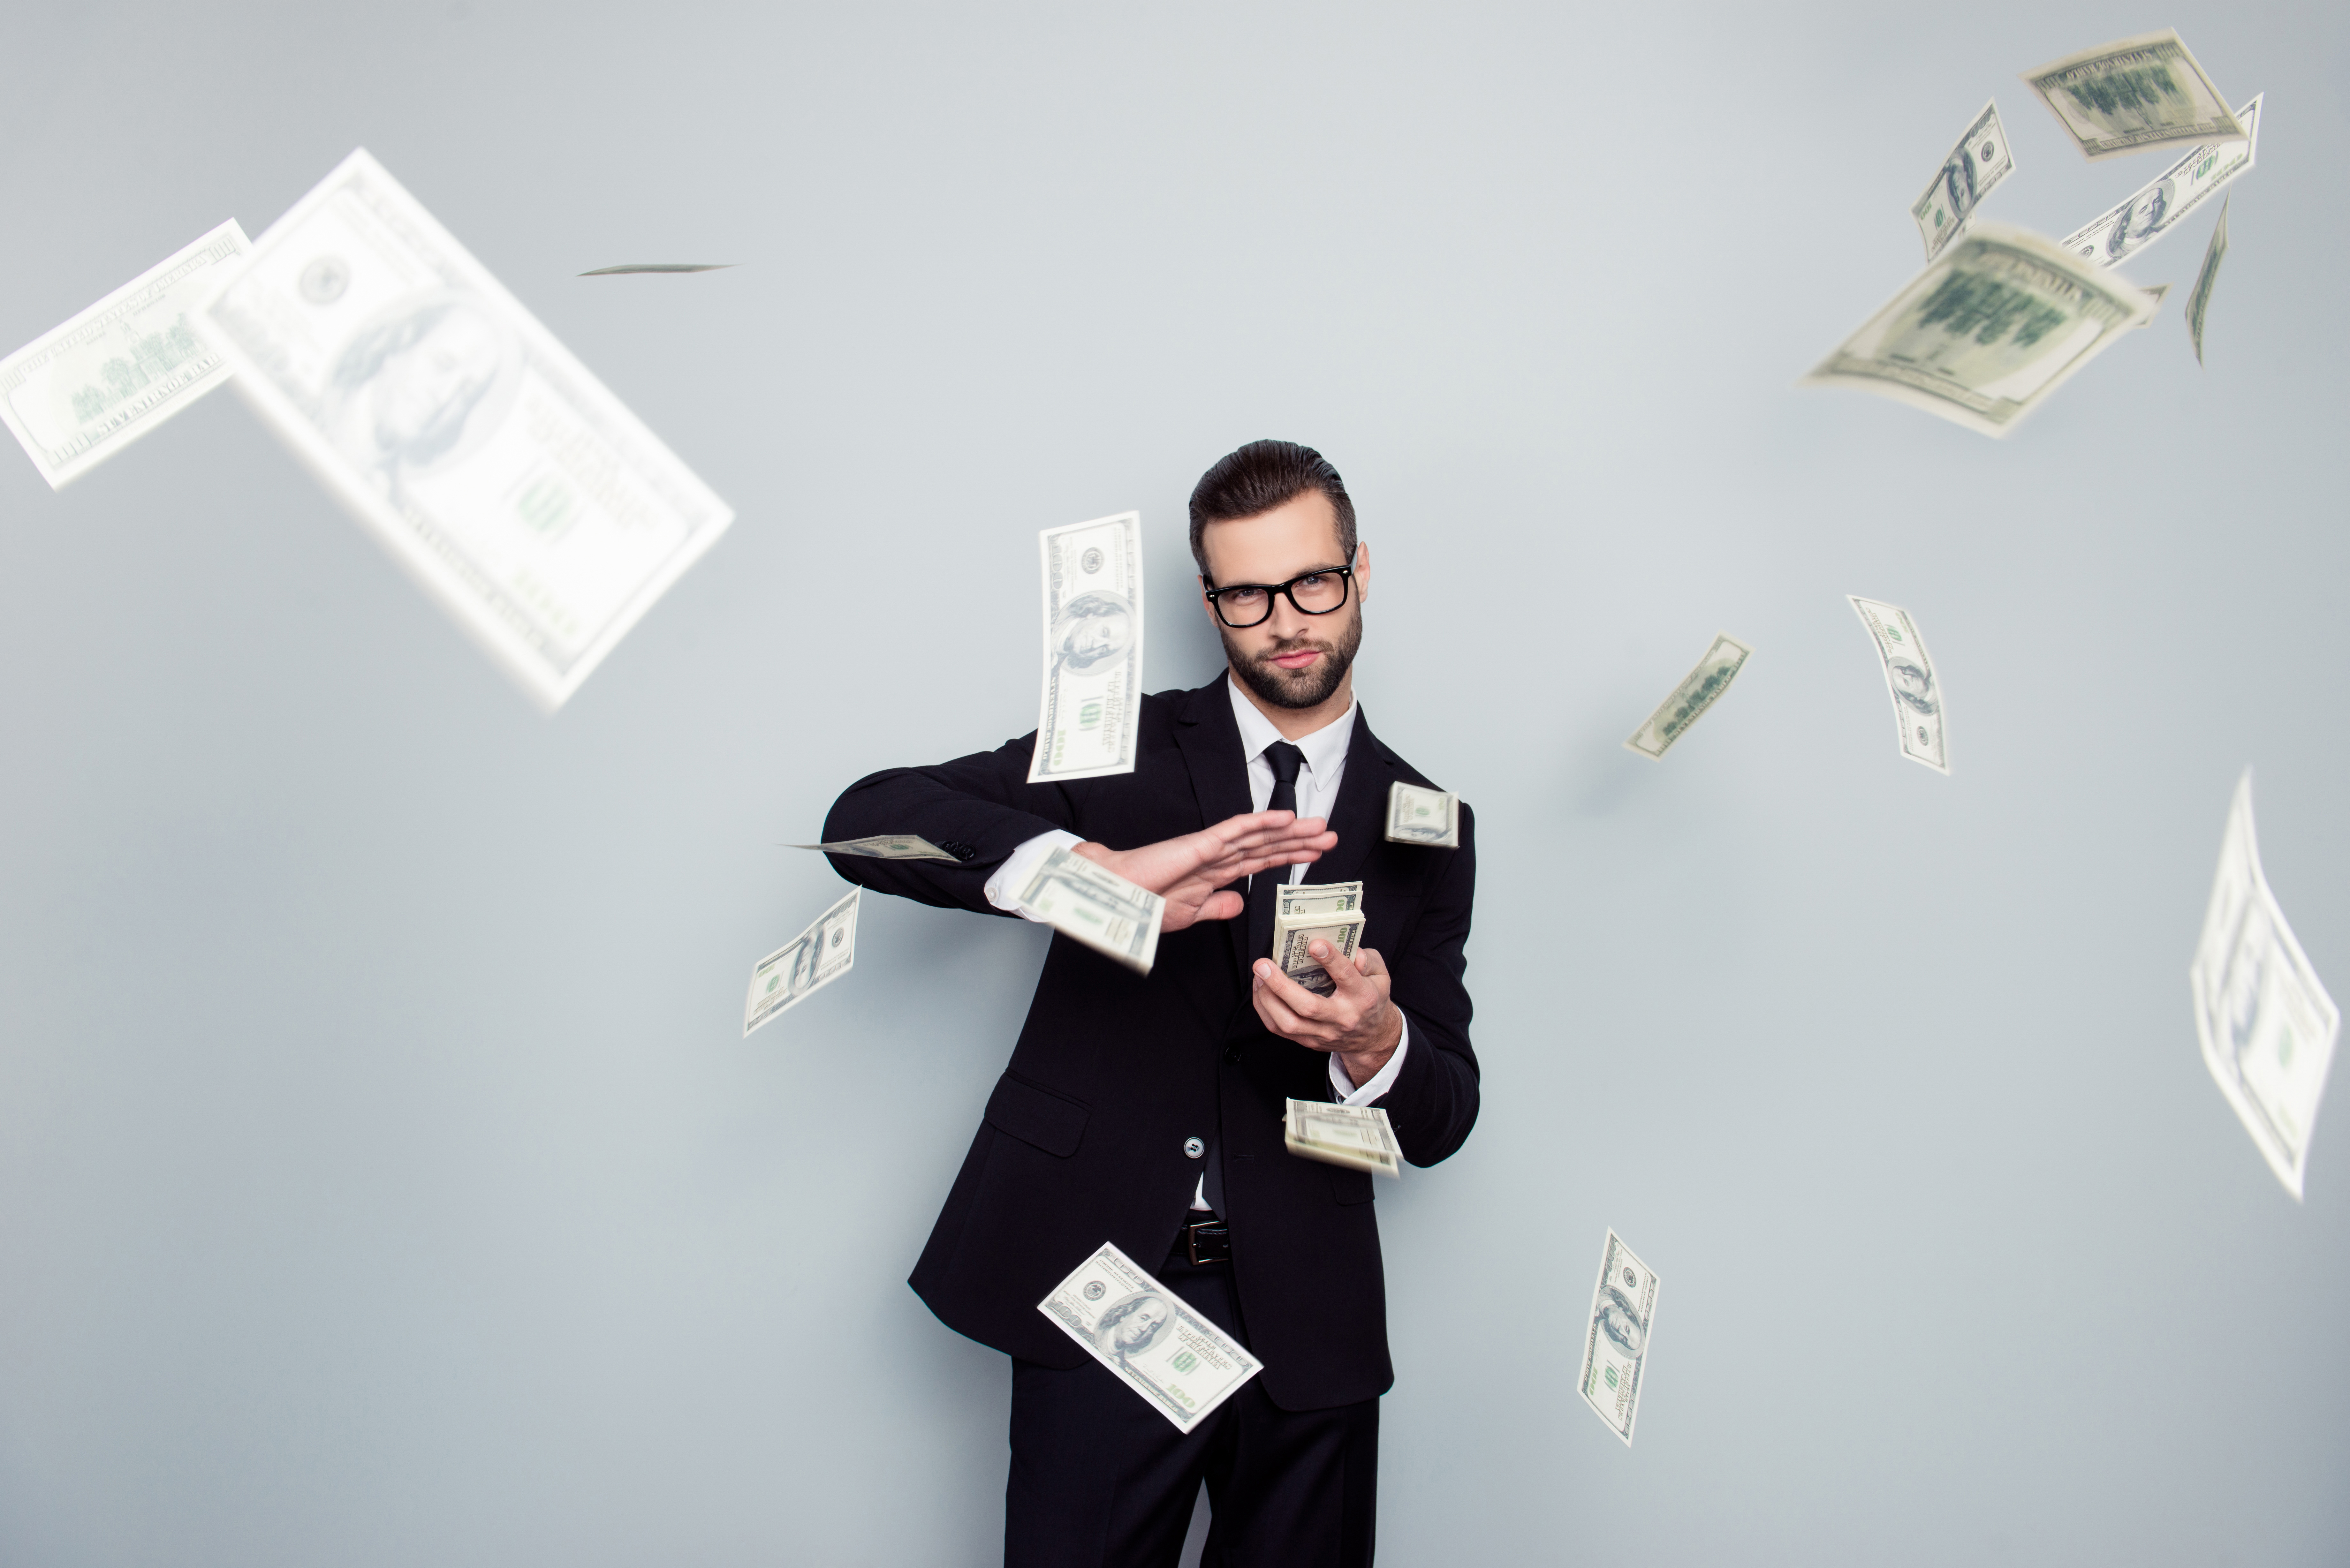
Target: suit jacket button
1231 1052
1193 1149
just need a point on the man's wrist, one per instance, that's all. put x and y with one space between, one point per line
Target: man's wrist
1362 1066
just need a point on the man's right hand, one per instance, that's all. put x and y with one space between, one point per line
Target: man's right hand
1186 871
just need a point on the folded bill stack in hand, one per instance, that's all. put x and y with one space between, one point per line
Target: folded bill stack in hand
1356 1136
1331 912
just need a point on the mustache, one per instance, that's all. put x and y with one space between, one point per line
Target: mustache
1283 649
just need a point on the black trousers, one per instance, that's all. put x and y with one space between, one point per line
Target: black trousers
1101 1479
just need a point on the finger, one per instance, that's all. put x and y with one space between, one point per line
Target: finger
1372 966
1278 1018
1225 906
1296 998
1264 826
1343 972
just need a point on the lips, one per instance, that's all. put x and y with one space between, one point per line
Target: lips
1302 659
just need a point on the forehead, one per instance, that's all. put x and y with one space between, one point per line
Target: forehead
1295 536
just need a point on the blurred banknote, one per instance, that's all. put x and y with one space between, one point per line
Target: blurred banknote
885 847
1093 905
1305 914
2268 1027
626 268
1984 335
2134 94
506 479
75 397
1182 1364
1093 650
1417 815
2199 299
1699 690
1356 1136
1615 1342
2153 212
1909 680
2158 292
1980 161
808 962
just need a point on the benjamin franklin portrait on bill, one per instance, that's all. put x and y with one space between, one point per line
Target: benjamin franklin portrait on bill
1092 628
1133 1325
413 385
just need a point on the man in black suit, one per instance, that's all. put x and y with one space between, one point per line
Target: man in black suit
1147 1111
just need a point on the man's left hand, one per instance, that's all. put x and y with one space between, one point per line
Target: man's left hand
1358 1022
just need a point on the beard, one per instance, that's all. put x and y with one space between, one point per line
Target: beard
1297 689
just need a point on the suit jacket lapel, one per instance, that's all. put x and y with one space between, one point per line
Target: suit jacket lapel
1359 818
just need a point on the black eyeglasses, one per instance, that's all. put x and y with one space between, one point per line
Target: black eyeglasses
1310 593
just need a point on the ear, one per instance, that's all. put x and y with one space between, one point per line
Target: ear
1362 571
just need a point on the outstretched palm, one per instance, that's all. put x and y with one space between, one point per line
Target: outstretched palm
1186 871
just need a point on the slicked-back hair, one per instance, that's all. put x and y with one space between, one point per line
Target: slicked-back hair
1261 476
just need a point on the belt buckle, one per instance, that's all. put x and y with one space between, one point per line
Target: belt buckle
1217 1237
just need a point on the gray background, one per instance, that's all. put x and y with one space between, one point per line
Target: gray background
382 1180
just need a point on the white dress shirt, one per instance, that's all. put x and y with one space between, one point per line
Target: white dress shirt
1317 793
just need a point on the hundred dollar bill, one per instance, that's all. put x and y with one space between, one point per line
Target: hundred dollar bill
1978 164
1293 938
1093 650
1698 690
75 397
2158 208
1986 334
1182 1364
2199 298
1093 905
885 847
1417 815
1356 1136
1316 897
2157 293
2267 1025
2134 94
1909 681
515 488
808 962
1616 1344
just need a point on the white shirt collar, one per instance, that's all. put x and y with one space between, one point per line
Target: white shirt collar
1323 748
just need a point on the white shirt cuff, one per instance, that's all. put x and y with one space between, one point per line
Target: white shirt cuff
1381 1081
1003 888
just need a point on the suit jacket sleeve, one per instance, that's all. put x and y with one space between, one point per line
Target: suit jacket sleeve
979 808
1434 1101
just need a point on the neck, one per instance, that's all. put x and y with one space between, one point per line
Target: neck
1296 723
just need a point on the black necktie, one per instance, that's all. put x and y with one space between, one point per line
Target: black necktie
1265 890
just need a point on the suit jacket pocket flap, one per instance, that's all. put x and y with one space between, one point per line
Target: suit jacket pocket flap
1351 1185
1036 1115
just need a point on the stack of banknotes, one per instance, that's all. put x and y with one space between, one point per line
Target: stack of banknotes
1356 1136
1430 817
1311 911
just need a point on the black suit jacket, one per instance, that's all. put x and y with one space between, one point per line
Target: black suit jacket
1083 1137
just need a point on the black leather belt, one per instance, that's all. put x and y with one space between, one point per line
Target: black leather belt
1208 1239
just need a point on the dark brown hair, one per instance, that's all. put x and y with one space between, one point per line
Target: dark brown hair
1261 476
